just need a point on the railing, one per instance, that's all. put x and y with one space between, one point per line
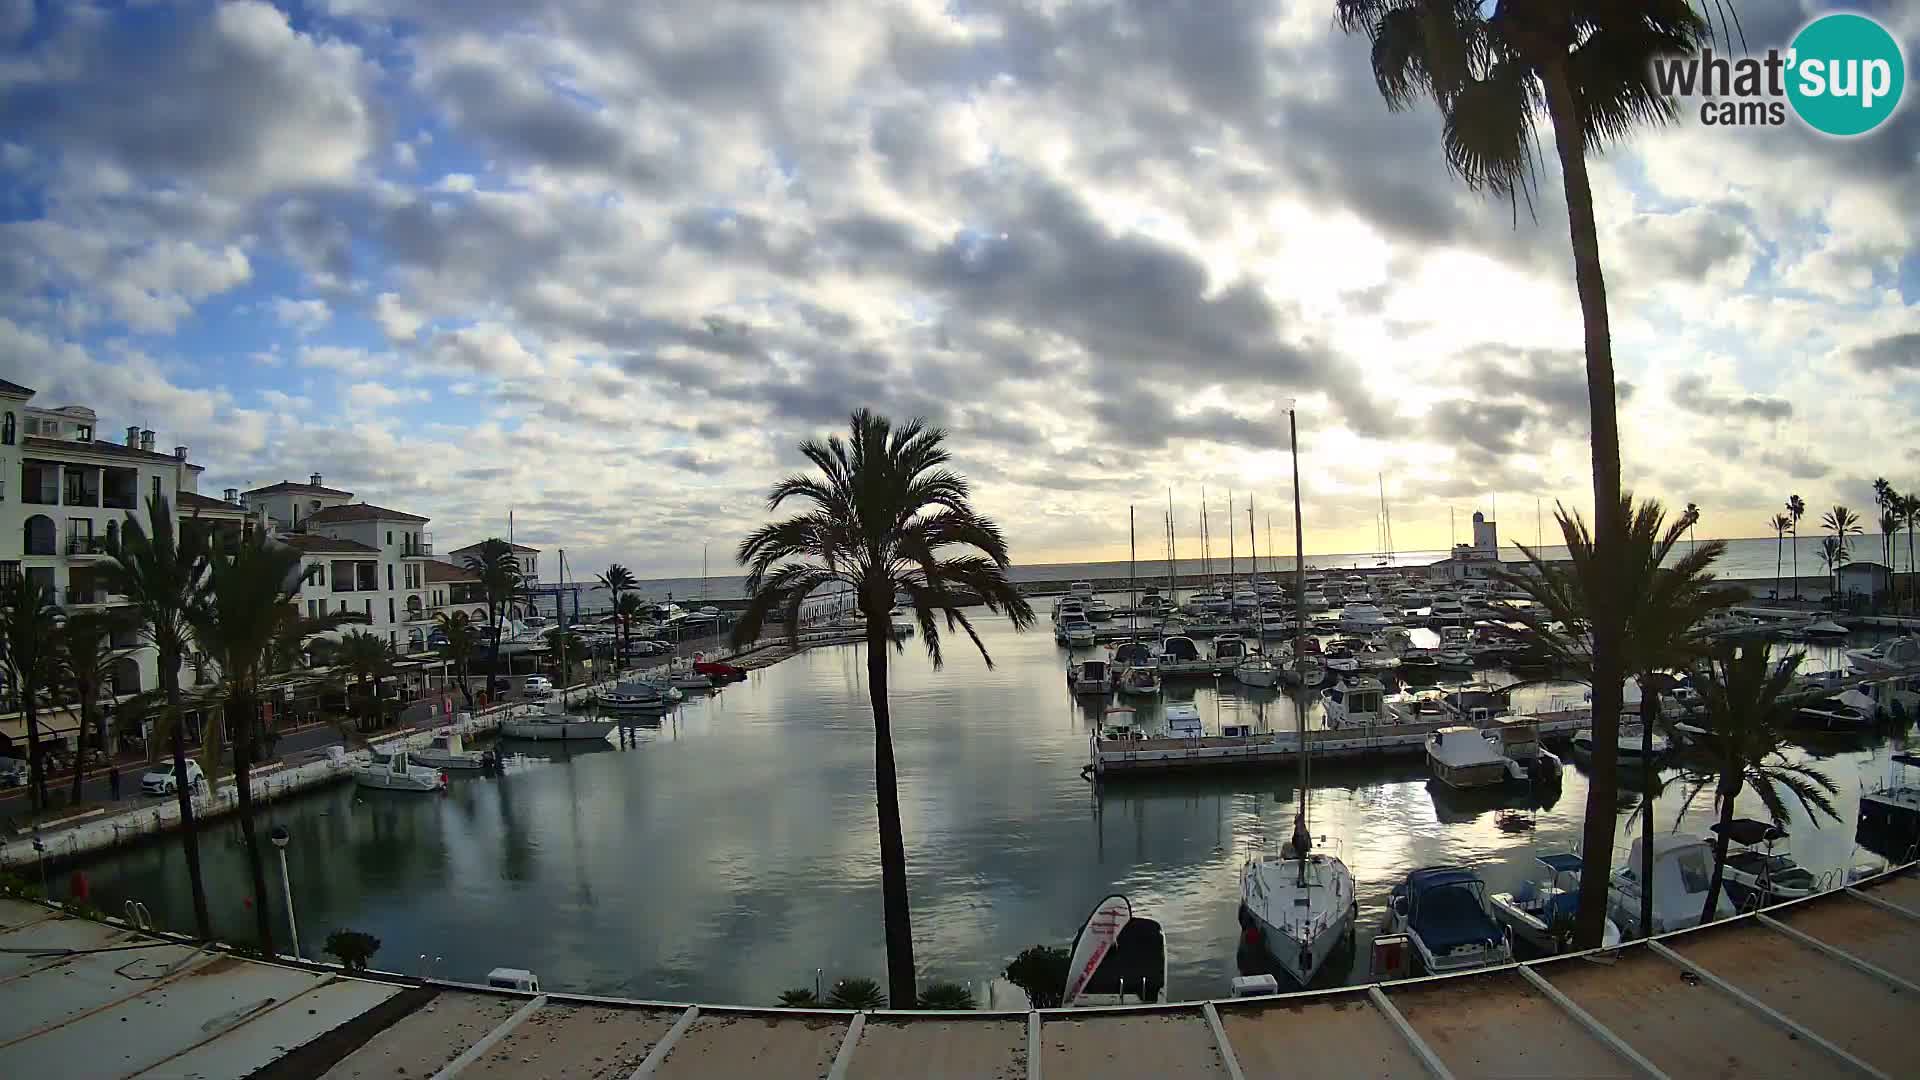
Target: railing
43 497
422 548
420 614
130 501
9 573
84 597
86 545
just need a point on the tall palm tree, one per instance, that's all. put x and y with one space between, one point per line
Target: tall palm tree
1796 509
882 516
1910 517
1833 555
1842 523
462 637
1890 519
1746 738
246 606
1663 608
1692 517
161 572
618 580
367 657
629 610
501 580
1883 499
85 654
1780 524
1496 72
567 649
27 628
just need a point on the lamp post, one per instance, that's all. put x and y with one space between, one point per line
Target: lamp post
280 840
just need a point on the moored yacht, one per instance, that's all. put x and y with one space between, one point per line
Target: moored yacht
1892 655
448 751
1756 877
1363 619
1229 647
1541 913
1444 911
1090 677
1099 610
1462 758
1682 869
1354 701
398 773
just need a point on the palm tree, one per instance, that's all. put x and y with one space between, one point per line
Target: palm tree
1842 523
457 627
1833 554
567 649
629 610
1780 524
1664 607
1910 516
1890 519
27 627
161 573
617 581
1796 509
501 580
369 657
245 608
85 654
1883 499
883 511
1747 733
1692 518
1493 70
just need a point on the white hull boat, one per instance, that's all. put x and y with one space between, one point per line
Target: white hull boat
1682 868
1540 913
398 773
1090 677
448 751
1754 876
1258 672
1629 743
1300 909
1354 701
1444 911
1462 758
556 726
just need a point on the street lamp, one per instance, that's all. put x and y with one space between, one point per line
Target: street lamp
280 839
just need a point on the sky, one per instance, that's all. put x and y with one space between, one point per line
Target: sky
605 264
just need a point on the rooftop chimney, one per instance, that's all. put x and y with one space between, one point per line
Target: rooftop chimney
146 439
179 453
314 480
232 495
133 435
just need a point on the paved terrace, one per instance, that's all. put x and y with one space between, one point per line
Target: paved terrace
1823 987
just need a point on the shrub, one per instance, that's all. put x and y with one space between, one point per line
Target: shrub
946 995
352 948
857 994
803 998
1042 972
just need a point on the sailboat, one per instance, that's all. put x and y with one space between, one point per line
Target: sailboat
1299 904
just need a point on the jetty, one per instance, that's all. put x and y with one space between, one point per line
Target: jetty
1824 986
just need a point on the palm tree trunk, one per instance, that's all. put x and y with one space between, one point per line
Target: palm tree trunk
1603 793
241 706
1720 849
1796 563
1649 715
38 764
466 681
1777 553
893 849
80 749
189 836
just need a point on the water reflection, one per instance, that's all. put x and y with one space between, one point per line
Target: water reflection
729 850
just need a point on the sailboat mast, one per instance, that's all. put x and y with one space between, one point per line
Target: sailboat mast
1206 549
1173 554
1232 565
1253 548
1271 554
1302 839
1133 574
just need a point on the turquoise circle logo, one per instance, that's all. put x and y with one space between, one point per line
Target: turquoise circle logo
1847 74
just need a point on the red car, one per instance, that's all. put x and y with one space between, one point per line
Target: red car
718 670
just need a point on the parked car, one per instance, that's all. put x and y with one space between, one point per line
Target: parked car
160 780
14 772
536 687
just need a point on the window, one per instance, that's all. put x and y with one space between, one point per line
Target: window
389 567
313 608
390 617
389 537
84 433
156 487
6 429
367 609
317 574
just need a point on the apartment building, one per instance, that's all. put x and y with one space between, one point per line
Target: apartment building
528 558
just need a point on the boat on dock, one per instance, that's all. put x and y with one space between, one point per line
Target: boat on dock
1849 710
1682 869
397 772
1183 721
554 725
1540 913
1463 757
1890 810
447 750
1754 876
1354 701
1444 912
1090 677
1117 958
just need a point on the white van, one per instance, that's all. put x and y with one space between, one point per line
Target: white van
536 687
160 779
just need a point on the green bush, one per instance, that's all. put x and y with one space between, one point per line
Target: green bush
1042 972
803 998
857 994
352 948
951 996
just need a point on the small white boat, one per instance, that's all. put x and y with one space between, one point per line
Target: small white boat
898 623
1077 633
1082 590
1177 649
1245 599
1315 600
1682 869
1446 611
1069 607
682 676
1183 721
448 751
1090 677
1444 911
1140 682
1754 876
1230 647
1298 907
398 773
555 725
1117 958
1363 619
1462 758
1354 701
1099 610
1540 913
1257 671
1629 744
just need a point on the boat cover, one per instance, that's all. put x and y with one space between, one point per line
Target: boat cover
1446 909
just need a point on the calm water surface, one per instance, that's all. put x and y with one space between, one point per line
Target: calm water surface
728 853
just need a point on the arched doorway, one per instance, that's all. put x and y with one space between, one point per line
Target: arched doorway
125 673
41 537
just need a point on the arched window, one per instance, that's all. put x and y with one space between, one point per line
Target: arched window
6 430
41 537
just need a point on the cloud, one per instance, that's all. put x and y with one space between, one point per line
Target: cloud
1897 352
400 322
1695 394
303 316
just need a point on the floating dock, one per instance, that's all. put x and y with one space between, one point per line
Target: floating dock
1825 986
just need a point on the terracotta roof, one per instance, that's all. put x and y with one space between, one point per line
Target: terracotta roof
291 488
14 389
438 571
326 545
358 512
476 548
111 449
193 500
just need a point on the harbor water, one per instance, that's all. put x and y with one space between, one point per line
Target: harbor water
728 853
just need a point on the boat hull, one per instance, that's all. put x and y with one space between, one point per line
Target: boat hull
1300 949
466 759
557 731
1463 777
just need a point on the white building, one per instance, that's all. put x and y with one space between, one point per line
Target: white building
355 557
1476 560
528 558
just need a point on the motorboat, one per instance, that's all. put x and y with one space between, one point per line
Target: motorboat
1417 664
554 725
1376 659
1824 628
446 751
1340 658
1276 625
1183 720
1446 611
1754 876
1078 633
1230 647
1178 649
1849 710
1266 588
1354 701
1315 600
1682 869
1153 606
1297 906
1120 723
1540 914
1894 655
1890 809
1518 740
1474 705
1069 609
1257 671
718 670
1117 958
1131 654
1245 599
1099 610
1473 598
1363 619
899 624
1462 758
1444 911
634 696
1139 682
1081 589
1090 677
398 773
1629 746
1209 602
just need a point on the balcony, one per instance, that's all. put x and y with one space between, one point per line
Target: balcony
86 547
420 549
85 596
421 614
40 496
